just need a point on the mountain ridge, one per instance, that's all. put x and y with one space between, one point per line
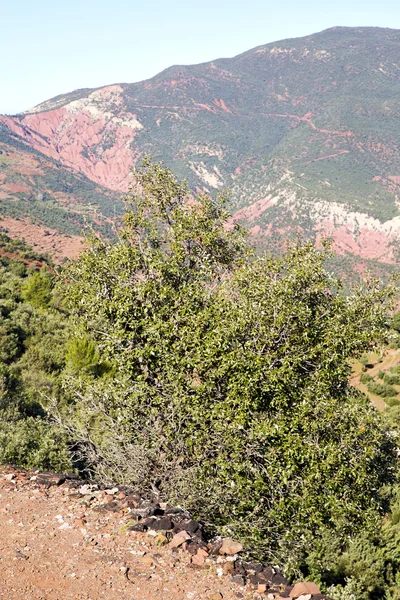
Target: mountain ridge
304 131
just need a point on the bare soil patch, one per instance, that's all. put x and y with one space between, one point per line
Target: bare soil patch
43 239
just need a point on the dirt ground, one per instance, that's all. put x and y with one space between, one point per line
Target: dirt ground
58 544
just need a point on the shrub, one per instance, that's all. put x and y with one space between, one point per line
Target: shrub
365 378
33 443
381 389
37 289
392 378
230 392
395 401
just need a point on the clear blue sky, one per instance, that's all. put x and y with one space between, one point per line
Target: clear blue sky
51 47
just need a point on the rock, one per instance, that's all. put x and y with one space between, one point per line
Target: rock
152 533
216 596
190 526
304 588
141 527
9 476
160 540
149 522
179 539
238 579
252 567
112 492
261 588
305 597
199 558
230 547
164 524
50 479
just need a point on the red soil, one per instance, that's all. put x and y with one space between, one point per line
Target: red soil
44 239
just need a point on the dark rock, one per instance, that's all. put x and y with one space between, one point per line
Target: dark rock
192 547
173 510
252 567
72 477
238 579
191 526
158 512
149 522
239 568
138 527
50 479
214 546
279 579
163 524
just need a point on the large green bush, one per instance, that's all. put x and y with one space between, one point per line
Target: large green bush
230 390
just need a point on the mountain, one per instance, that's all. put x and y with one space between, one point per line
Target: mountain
304 132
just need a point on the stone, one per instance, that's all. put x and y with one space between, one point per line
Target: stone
252 567
214 546
262 588
230 547
112 492
216 596
141 527
304 588
305 597
160 540
50 479
198 559
163 524
238 579
190 526
179 539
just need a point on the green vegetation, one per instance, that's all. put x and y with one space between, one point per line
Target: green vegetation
189 366
32 334
229 392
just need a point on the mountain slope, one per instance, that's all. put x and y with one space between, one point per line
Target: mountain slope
305 133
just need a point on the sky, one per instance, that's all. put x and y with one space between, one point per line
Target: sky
51 47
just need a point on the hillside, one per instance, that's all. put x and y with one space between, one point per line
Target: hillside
48 203
303 131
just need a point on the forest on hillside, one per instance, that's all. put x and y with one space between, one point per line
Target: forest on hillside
176 360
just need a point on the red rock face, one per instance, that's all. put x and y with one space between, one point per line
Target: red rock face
86 136
370 244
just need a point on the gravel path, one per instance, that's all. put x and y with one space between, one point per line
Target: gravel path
58 544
